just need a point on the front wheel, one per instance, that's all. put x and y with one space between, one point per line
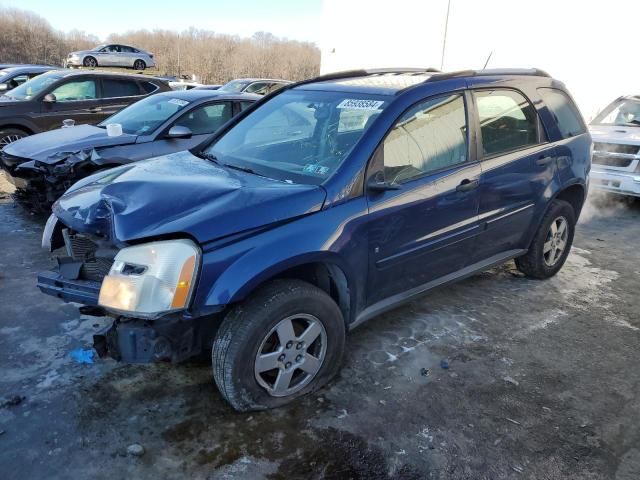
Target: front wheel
551 243
283 342
10 135
90 62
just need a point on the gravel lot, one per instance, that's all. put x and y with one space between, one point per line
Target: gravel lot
543 382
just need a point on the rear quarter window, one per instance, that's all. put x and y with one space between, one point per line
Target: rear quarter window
564 112
148 87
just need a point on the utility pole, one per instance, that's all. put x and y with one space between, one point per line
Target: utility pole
444 40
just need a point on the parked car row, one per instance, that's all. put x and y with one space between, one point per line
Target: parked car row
304 214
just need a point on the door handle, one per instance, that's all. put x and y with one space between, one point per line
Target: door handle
543 161
466 185
94 109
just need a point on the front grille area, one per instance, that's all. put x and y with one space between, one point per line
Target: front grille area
616 148
610 161
95 264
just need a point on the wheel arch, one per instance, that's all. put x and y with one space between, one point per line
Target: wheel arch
574 194
18 126
321 270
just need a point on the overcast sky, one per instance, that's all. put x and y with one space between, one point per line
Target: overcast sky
295 19
590 45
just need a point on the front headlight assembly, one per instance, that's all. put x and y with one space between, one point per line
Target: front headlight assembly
151 279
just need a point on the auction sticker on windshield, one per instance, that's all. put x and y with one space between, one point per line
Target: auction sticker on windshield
358 104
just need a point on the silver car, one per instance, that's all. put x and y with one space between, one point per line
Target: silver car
112 55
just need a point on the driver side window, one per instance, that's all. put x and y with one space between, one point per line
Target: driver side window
75 91
430 136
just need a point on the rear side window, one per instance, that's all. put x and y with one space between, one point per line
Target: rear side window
113 88
508 121
431 136
148 87
564 111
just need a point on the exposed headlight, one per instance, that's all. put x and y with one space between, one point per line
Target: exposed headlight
152 278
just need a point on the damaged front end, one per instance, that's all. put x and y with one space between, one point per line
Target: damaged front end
39 183
83 262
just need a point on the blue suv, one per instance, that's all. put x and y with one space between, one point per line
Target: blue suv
317 208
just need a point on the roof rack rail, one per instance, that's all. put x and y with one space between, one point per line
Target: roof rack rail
364 73
533 72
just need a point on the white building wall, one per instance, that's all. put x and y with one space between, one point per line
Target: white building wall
590 45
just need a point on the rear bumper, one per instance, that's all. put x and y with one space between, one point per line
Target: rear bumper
624 183
79 291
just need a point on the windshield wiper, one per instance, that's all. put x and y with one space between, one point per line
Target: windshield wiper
242 169
208 156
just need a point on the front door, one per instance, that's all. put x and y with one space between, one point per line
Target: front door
424 228
518 165
202 121
76 99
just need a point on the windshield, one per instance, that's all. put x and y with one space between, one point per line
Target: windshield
299 136
624 112
234 86
33 87
145 116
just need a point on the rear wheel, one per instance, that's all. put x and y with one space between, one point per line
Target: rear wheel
90 62
551 243
283 342
10 135
139 65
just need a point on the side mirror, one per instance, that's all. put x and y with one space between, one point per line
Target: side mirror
4 87
178 131
377 183
49 98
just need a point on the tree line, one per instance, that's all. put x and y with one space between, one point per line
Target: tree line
26 37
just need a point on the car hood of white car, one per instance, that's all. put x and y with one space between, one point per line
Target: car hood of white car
615 134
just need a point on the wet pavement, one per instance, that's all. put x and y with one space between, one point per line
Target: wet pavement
542 382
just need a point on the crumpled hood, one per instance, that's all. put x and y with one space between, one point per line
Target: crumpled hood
181 194
615 134
50 147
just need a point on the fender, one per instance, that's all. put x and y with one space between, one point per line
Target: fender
231 273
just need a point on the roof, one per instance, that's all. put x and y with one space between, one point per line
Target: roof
95 73
392 81
29 68
195 95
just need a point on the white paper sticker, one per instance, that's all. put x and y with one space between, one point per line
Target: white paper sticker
358 104
177 101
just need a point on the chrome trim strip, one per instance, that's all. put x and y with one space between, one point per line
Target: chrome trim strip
508 214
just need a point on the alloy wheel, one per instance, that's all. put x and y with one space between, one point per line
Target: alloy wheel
291 355
556 241
7 139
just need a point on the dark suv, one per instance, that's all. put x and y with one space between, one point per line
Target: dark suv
325 204
43 102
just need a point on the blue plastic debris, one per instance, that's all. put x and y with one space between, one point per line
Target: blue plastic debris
82 355
444 363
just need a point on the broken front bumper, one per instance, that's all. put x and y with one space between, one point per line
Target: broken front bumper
79 291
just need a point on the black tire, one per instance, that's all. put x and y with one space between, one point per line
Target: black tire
139 65
246 327
10 135
90 62
533 263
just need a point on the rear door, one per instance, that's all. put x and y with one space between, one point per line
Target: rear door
424 229
518 166
76 99
117 93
